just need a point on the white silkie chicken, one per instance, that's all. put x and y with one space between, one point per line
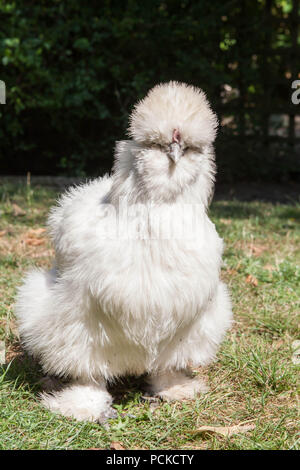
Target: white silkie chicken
135 288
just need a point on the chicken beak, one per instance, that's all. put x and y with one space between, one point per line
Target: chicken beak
175 152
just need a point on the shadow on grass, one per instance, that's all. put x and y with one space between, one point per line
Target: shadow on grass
290 213
24 372
234 210
250 191
239 210
125 388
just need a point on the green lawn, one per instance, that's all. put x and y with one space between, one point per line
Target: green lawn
254 381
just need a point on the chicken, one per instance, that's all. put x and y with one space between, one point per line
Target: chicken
135 287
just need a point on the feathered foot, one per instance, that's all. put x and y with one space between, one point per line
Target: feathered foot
176 385
82 401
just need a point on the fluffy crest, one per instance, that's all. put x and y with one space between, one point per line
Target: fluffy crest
173 106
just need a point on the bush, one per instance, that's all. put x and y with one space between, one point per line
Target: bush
73 71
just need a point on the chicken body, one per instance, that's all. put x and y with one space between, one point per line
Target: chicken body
135 287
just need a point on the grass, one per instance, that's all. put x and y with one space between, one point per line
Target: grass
254 380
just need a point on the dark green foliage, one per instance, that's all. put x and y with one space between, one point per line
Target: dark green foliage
74 69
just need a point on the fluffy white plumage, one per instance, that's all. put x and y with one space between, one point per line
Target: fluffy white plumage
118 302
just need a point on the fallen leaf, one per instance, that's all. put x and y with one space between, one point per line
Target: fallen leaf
16 210
35 232
13 351
117 446
226 431
226 221
257 250
3 232
252 280
231 272
35 241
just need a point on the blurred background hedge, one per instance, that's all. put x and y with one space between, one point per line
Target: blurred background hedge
74 69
